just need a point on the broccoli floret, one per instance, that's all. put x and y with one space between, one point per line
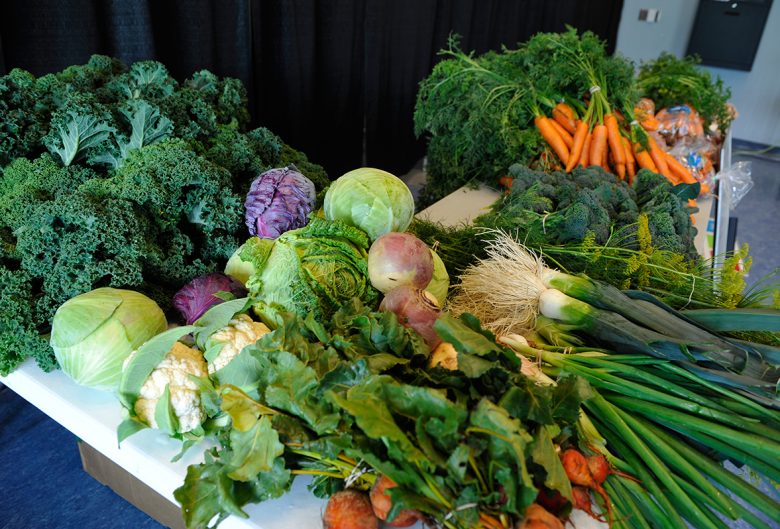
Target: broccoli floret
585 215
536 198
524 177
591 177
647 182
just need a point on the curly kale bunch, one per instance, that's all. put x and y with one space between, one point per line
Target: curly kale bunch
122 177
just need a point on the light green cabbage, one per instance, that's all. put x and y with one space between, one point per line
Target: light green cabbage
312 270
240 265
373 200
92 334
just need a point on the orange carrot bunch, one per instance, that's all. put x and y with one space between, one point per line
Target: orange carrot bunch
602 138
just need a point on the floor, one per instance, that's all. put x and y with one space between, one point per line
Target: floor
41 478
758 214
42 482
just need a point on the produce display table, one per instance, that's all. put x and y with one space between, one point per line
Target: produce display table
93 417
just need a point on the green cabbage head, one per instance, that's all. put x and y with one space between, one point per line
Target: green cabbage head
92 334
312 270
373 200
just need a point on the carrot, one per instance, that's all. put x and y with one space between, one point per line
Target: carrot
580 135
643 158
551 136
585 156
489 522
565 136
564 115
659 157
679 171
613 137
630 161
598 146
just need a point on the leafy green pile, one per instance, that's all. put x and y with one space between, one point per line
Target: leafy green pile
671 81
476 111
317 398
123 177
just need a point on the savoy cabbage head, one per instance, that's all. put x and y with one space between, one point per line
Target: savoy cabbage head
312 270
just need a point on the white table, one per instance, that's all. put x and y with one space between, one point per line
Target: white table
94 415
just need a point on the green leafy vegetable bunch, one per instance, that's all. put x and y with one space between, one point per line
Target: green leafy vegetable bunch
354 396
477 110
119 176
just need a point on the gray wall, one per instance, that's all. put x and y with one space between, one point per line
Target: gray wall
756 94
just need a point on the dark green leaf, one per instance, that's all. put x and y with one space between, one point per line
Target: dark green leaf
687 191
568 395
367 404
507 443
206 493
527 401
253 451
544 454
473 366
290 387
243 410
272 483
458 462
243 371
462 337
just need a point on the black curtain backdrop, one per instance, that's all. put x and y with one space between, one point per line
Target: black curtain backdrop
334 78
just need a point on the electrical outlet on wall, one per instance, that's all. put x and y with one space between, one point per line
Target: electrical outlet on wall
651 15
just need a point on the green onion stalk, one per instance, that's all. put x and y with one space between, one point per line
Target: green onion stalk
511 288
672 433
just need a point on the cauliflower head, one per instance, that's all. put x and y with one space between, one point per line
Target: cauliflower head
174 370
240 332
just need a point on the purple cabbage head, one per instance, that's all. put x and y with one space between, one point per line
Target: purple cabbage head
279 200
197 296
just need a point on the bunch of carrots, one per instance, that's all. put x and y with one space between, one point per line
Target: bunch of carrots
601 136
603 139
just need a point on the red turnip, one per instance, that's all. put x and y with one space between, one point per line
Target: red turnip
399 259
415 309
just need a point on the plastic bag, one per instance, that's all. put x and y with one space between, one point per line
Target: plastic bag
681 121
696 154
739 181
